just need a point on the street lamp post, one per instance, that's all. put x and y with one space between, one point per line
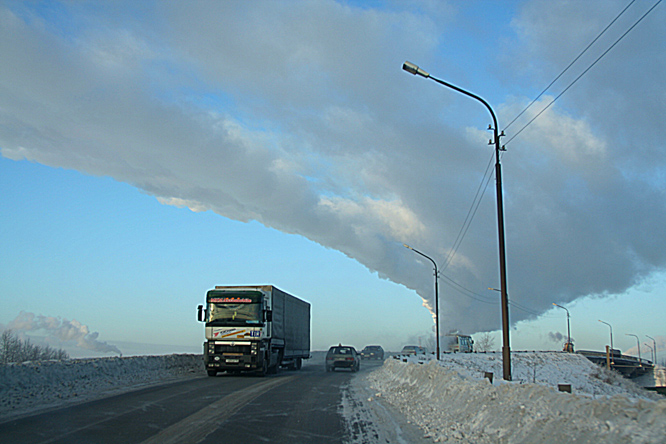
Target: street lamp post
638 344
655 348
651 351
568 347
611 338
436 294
506 350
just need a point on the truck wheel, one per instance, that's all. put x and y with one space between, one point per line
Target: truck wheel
299 363
212 372
264 369
274 369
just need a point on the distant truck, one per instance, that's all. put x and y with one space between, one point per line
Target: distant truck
460 343
256 328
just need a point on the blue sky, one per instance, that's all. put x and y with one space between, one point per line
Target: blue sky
152 152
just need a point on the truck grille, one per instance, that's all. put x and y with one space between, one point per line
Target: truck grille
223 348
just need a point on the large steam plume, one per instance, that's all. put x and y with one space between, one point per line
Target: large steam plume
61 330
310 127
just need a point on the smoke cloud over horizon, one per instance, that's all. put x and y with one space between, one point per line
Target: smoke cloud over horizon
61 332
272 114
559 337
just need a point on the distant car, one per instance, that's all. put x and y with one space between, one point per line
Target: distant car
342 356
373 352
413 350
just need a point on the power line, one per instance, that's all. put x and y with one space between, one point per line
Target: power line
467 292
525 309
480 298
586 70
470 214
570 65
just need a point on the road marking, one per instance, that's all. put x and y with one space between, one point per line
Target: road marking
196 427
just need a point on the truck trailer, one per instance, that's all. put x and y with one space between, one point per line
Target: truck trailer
254 328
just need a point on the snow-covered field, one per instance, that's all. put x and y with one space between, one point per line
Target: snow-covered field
402 401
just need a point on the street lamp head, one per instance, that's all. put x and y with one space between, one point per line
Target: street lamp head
407 246
413 69
564 308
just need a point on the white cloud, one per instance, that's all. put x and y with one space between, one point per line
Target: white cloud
197 207
371 217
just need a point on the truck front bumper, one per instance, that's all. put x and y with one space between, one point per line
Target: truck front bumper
222 356
222 363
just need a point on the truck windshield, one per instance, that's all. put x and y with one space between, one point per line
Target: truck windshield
234 309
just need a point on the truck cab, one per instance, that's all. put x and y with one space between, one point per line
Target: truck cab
253 329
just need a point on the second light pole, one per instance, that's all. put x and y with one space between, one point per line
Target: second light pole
506 349
638 344
612 351
436 294
654 343
568 347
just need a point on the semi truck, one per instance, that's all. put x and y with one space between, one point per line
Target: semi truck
254 328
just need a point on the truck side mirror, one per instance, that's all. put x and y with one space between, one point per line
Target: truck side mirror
269 315
200 313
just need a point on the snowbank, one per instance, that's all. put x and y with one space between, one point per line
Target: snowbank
549 369
31 386
452 402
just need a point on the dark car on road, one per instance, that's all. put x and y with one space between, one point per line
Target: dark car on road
373 352
342 356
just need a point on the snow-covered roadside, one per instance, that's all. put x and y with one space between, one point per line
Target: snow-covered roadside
549 369
34 386
452 402
371 420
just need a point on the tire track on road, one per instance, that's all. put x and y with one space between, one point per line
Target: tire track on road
196 427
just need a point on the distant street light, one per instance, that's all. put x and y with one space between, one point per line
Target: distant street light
638 343
436 294
611 337
568 347
506 349
651 351
655 348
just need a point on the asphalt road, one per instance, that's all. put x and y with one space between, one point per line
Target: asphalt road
290 407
